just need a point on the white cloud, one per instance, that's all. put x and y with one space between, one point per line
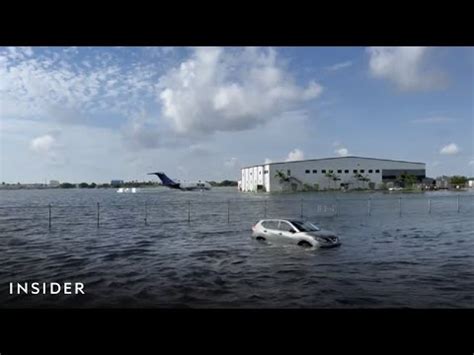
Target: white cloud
340 149
295 154
231 163
219 90
342 152
450 149
404 66
471 162
43 144
40 86
435 119
339 66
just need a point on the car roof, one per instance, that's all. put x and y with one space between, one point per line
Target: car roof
277 220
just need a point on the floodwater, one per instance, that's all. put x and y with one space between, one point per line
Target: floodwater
165 248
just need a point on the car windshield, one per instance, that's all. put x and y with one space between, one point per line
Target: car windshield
305 226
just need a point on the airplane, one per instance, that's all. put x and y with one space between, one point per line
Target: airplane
200 185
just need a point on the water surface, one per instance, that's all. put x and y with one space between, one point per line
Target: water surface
415 252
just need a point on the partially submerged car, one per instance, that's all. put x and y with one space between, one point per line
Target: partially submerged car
302 233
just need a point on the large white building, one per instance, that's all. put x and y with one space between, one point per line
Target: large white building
329 173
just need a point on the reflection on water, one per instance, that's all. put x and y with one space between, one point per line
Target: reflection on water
413 252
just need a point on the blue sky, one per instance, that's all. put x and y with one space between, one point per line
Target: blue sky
96 114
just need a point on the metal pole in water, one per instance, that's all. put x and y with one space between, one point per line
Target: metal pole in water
228 211
429 206
146 214
368 207
337 207
301 209
458 203
49 216
189 211
400 205
265 209
98 214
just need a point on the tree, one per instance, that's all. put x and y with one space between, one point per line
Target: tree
360 177
66 185
281 175
364 179
407 180
228 183
458 180
83 185
357 176
93 185
330 177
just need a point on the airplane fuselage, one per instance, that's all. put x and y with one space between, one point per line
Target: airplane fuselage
191 186
184 186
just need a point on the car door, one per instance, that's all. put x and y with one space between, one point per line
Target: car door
270 229
286 230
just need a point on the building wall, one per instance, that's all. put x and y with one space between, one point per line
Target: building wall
265 174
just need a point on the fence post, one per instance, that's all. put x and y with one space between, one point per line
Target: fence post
301 214
400 205
49 216
429 206
189 211
265 209
98 214
146 214
458 203
228 211
368 207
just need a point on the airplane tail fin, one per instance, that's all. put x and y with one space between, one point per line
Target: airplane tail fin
165 179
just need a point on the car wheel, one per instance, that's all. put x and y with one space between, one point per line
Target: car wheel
262 239
304 244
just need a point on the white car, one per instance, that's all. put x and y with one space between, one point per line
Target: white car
302 233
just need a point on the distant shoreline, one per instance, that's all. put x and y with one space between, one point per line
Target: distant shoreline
14 188
84 185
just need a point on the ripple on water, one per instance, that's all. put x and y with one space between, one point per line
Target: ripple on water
384 261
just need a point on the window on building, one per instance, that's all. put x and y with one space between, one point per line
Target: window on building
355 171
346 171
370 171
315 171
288 172
339 171
307 171
362 171
377 171
259 173
265 172
323 171
331 171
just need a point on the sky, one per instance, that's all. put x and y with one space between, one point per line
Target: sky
95 114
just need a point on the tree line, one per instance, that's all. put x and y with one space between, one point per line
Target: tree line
85 185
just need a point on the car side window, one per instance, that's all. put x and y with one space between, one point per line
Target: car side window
270 225
286 227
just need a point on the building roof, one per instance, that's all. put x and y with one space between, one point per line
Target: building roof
333 158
